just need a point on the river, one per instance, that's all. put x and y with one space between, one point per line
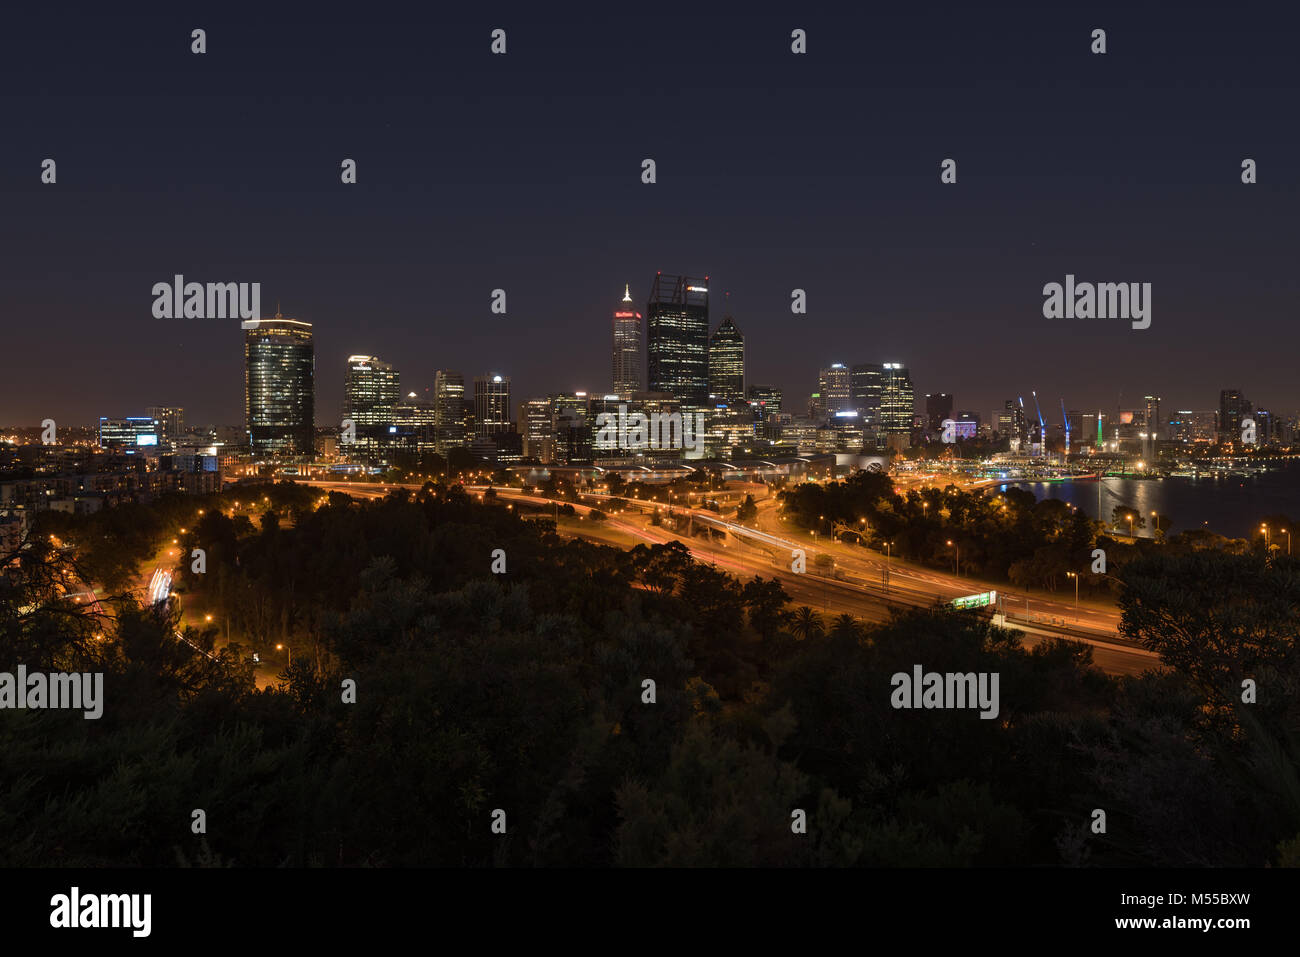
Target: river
1229 506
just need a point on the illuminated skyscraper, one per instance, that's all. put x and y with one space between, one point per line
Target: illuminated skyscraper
449 411
764 401
833 384
627 346
537 418
414 427
677 350
897 402
492 405
370 392
279 386
727 364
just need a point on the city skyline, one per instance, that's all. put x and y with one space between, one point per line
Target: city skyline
896 264
859 393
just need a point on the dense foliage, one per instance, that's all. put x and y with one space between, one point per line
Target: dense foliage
524 691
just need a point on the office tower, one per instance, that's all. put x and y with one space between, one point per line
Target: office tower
938 406
414 427
727 364
864 390
1192 427
449 411
279 386
370 392
897 402
1152 424
1265 430
1011 424
764 401
537 417
132 432
677 346
833 386
573 426
171 422
1076 427
1233 407
492 405
627 346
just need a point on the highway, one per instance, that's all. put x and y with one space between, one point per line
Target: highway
861 582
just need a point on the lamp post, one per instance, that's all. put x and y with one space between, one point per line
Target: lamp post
288 651
1131 516
958 549
1264 529
1287 533
1075 576
889 547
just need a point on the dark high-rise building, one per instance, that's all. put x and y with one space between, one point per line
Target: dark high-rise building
279 386
449 412
1233 407
572 426
1012 425
897 401
677 340
864 390
938 406
1153 426
627 346
492 405
764 401
171 422
727 363
370 392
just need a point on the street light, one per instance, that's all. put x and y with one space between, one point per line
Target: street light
1264 528
1075 576
287 650
958 548
1131 516
1287 533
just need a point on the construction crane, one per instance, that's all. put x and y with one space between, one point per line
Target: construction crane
1066 419
1042 426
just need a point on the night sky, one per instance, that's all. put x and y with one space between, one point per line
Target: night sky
775 171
